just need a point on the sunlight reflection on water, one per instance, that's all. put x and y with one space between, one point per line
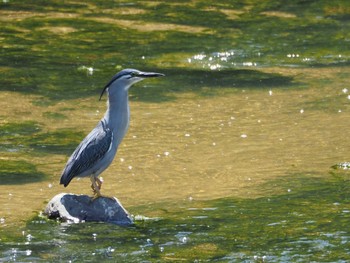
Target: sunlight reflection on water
222 60
243 59
256 144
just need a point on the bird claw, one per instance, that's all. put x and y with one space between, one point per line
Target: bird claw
95 196
98 195
96 185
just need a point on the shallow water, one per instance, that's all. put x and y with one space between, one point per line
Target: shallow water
228 158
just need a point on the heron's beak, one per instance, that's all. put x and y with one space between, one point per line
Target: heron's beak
149 75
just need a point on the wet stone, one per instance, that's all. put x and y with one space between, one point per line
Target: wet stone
82 208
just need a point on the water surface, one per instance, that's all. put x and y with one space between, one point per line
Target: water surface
227 159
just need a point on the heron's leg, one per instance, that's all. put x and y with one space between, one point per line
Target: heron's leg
99 182
95 188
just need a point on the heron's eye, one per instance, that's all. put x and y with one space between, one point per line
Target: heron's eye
131 75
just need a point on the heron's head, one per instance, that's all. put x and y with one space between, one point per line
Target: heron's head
127 77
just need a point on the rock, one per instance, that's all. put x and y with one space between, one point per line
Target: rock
81 208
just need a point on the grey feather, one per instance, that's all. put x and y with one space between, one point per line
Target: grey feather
89 152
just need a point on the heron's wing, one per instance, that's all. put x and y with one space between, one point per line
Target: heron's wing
91 150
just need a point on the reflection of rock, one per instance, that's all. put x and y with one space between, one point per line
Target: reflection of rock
79 208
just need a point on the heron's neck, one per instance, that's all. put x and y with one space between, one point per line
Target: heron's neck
117 114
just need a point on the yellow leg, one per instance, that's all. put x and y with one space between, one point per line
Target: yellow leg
99 182
95 186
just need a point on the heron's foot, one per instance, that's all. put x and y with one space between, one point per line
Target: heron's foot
96 192
95 186
95 196
98 195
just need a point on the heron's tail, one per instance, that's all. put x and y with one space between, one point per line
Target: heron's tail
66 178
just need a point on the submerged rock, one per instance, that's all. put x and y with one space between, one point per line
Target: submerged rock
82 208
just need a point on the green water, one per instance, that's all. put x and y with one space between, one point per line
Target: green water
309 225
227 159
